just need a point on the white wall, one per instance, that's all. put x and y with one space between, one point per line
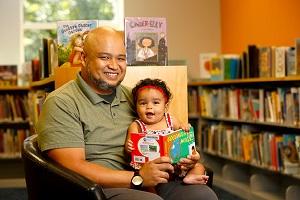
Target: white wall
193 26
10 37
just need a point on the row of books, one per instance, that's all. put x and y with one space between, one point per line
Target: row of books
279 105
13 107
279 152
11 141
256 61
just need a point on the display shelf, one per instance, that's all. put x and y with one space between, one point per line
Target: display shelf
46 81
14 88
248 180
245 81
270 124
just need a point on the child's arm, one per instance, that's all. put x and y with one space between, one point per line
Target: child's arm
179 125
133 128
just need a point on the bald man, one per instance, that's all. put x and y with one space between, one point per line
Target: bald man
83 127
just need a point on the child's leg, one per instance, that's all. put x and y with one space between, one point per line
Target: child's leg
196 175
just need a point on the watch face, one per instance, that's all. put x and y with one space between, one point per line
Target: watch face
137 180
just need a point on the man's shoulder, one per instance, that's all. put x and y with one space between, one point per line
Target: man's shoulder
69 89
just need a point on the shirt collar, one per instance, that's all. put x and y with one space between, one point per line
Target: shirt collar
94 97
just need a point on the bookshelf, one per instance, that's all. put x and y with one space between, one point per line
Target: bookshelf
221 143
14 128
14 120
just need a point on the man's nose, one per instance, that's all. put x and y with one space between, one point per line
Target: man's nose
113 63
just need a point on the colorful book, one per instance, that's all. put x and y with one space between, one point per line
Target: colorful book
205 60
217 69
265 61
146 41
176 145
70 36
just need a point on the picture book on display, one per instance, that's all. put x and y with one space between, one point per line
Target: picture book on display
176 145
70 36
146 41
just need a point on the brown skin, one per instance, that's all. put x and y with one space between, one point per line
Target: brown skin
103 61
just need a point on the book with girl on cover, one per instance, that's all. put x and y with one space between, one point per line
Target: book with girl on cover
146 41
70 37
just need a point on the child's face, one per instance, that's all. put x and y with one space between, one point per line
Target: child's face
151 105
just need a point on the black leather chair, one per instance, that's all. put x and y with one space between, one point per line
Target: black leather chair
46 179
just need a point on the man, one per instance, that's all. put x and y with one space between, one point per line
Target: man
83 127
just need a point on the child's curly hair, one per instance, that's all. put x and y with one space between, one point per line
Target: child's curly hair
155 83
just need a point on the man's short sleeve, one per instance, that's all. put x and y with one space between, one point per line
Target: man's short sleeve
59 124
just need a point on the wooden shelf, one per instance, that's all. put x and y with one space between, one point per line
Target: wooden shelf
43 82
244 81
14 88
271 124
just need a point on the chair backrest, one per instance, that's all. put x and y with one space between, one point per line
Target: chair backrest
174 76
48 180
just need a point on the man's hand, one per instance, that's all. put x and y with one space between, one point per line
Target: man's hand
156 171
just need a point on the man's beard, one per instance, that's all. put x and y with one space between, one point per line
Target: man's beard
101 84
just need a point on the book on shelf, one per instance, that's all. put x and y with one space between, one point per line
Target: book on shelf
11 141
290 156
253 60
70 36
205 64
297 55
193 104
231 66
49 58
265 61
146 41
280 61
290 61
8 75
13 108
176 145
217 69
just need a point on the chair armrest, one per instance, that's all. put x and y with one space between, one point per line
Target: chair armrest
46 179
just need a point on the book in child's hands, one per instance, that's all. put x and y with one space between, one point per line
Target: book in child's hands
176 145
146 41
70 36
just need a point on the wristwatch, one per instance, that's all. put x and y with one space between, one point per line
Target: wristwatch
137 180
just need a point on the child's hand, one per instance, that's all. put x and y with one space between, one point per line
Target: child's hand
129 146
185 127
190 161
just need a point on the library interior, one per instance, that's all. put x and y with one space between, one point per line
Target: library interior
233 68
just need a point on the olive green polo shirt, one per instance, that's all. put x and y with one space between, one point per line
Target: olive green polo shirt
75 116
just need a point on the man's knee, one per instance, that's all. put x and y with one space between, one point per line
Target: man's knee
125 194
